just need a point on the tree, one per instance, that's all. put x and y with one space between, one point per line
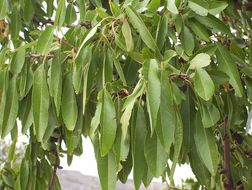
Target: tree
146 81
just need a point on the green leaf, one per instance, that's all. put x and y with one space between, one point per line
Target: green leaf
128 106
15 25
199 61
69 104
199 29
119 69
187 40
199 6
166 127
138 135
178 142
40 102
151 68
154 5
60 13
55 81
206 146
28 11
139 25
162 30
3 9
155 155
215 7
108 123
24 174
227 65
106 168
203 84
171 6
45 41
214 23
210 115
71 15
126 31
11 108
18 61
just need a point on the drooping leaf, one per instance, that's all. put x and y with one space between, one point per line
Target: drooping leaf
18 61
40 102
138 135
204 85
227 65
155 154
106 168
166 127
151 68
69 104
60 13
45 41
199 29
55 81
3 8
71 15
127 35
138 23
162 32
210 115
11 108
206 146
108 123
187 40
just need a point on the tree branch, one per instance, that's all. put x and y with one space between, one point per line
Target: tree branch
53 176
228 183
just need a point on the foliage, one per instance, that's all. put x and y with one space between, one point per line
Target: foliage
146 81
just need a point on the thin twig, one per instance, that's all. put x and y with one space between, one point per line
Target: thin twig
53 176
227 168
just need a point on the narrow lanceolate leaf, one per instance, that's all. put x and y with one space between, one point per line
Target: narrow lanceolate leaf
138 135
162 32
55 81
139 25
227 65
45 41
199 61
3 8
40 102
206 146
127 35
11 108
106 168
15 25
18 61
166 127
153 90
187 40
69 104
70 14
199 29
204 85
210 115
108 123
171 6
178 141
24 174
155 154
215 7
29 10
128 106
60 13
199 6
